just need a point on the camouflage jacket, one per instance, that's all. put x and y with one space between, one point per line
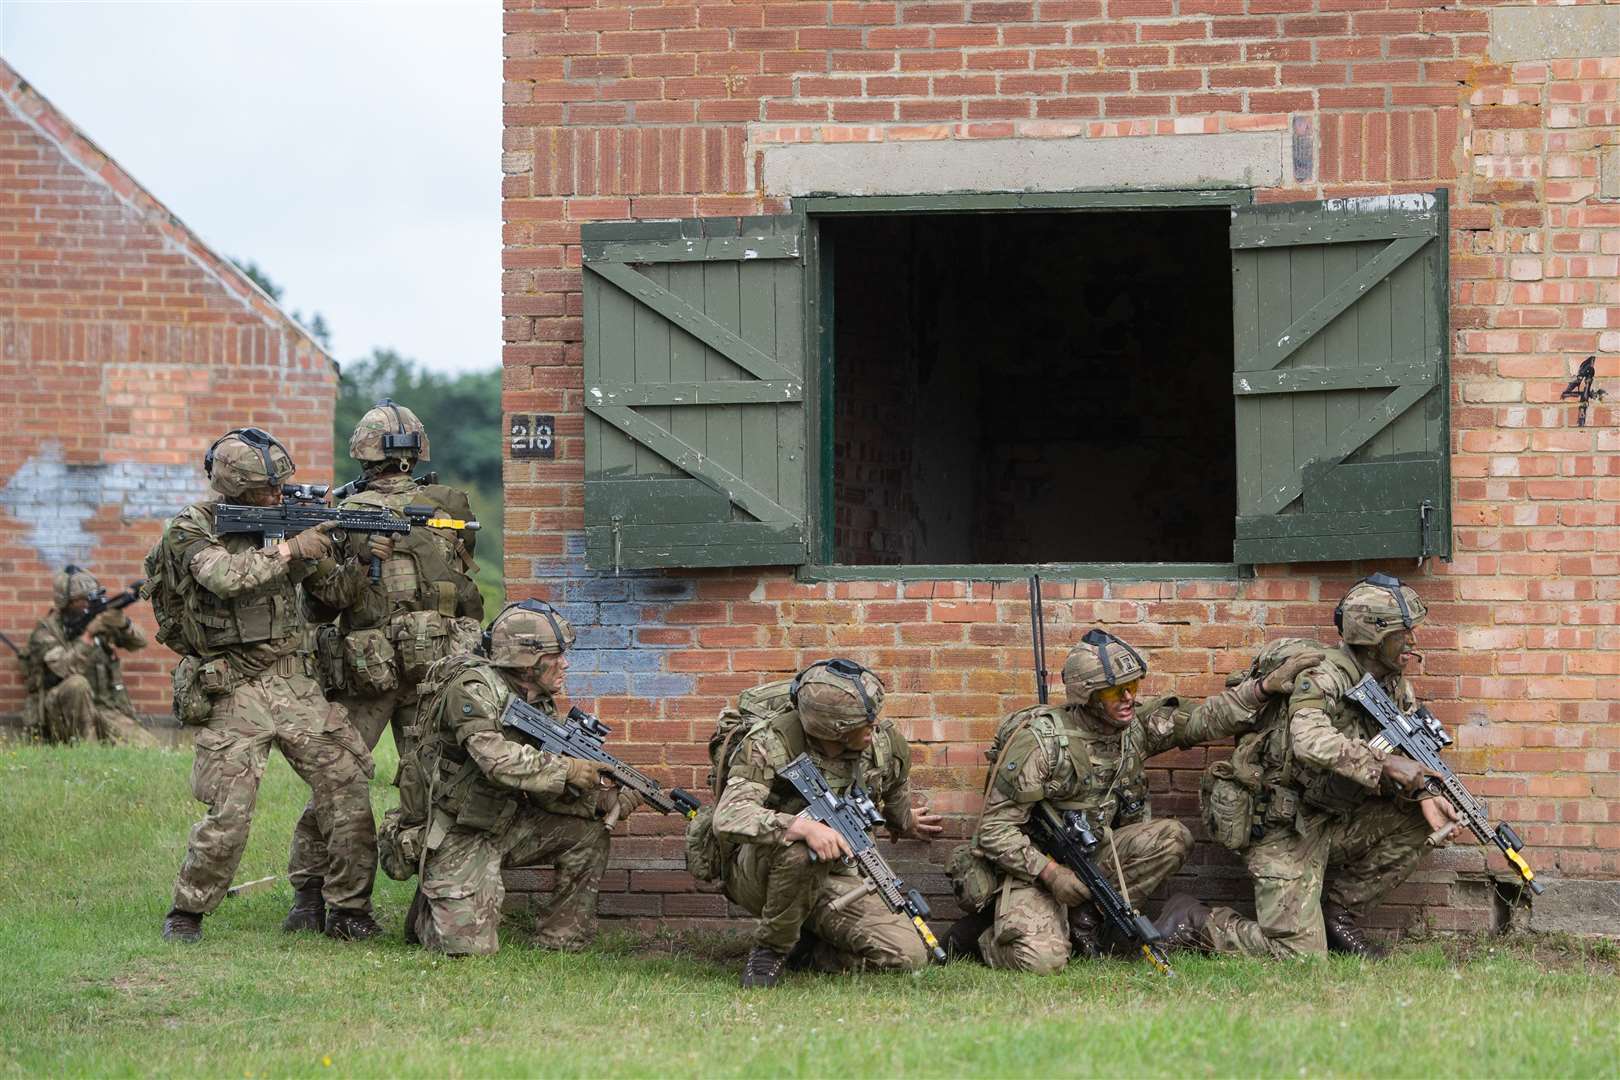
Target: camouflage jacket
757 806
430 569
94 658
240 601
485 771
1064 757
1332 765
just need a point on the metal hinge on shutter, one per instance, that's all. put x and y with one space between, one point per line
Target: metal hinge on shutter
1426 528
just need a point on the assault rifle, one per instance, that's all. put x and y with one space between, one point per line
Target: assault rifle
305 511
363 483
74 625
582 737
1070 840
852 815
1420 736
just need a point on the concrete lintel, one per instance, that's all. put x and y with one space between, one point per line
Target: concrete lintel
1577 906
1546 33
1238 159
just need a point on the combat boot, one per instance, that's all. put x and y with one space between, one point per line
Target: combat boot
308 910
1344 936
1083 928
183 926
347 925
1181 923
961 941
803 956
762 968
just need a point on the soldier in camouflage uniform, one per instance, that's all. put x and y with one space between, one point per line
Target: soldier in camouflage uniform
497 800
769 843
426 607
235 613
1087 756
76 687
1343 823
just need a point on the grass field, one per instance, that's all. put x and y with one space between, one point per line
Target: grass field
92 838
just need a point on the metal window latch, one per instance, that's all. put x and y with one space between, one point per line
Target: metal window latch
1425 528
618 543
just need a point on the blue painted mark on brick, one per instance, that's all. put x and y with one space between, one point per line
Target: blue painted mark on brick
579 614
663 684
596 684
602 637
635 660
620 614
597 589
574 544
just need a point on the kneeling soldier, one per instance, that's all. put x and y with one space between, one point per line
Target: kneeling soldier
76 684
1087 756
1344 822
787 868
499 801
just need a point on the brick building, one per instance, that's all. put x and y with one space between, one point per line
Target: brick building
1207 307
126 347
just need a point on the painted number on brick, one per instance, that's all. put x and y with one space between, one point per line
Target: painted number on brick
533 436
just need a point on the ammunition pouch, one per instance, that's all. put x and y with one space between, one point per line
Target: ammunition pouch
1228 794
329 659
368 662
705 856
423 637
190 701
973 878
399 846
1334 793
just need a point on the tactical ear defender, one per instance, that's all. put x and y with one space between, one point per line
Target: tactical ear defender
844 669
258 438
408 441
537 607
1100 640
1391 585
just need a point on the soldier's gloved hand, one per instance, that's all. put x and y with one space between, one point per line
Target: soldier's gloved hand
1405 775
628 801
585 776
100 624
313 544
1281 681
1062 883
380 546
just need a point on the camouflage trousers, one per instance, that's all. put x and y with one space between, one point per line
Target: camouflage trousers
462 886
1031 929
70 714
287 712
370 715
1353 862
780 884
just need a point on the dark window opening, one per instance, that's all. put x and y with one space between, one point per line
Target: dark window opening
1032 387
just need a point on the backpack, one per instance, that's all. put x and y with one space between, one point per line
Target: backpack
1231 792
706 854
168 606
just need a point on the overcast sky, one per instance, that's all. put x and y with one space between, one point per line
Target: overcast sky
351 149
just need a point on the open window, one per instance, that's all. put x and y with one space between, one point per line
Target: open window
1127 382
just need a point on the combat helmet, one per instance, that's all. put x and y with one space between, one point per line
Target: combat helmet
1100 660
524 631
1375 607
389 430
246 458
834 697
73 583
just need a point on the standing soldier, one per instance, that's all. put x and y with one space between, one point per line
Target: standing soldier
235 613
1343 823
497 800
76 684
1030 913
426 607
787 868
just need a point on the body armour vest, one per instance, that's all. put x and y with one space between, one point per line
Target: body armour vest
430 569
1322 788
270 618
781 739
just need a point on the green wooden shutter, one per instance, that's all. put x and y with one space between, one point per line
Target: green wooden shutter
694 393
1343 403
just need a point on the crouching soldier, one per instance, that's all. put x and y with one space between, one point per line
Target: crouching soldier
498 801
787 868
76 682
1342 823
1028 912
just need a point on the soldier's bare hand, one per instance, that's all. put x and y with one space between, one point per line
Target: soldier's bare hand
1440 816
1281 681
924 824
1406 774
380 546
822 840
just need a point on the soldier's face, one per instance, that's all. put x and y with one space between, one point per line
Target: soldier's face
860 738
551 673
1398 650
79 606
261 496
1118 703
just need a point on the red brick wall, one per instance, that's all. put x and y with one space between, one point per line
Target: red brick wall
644 110
126 347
